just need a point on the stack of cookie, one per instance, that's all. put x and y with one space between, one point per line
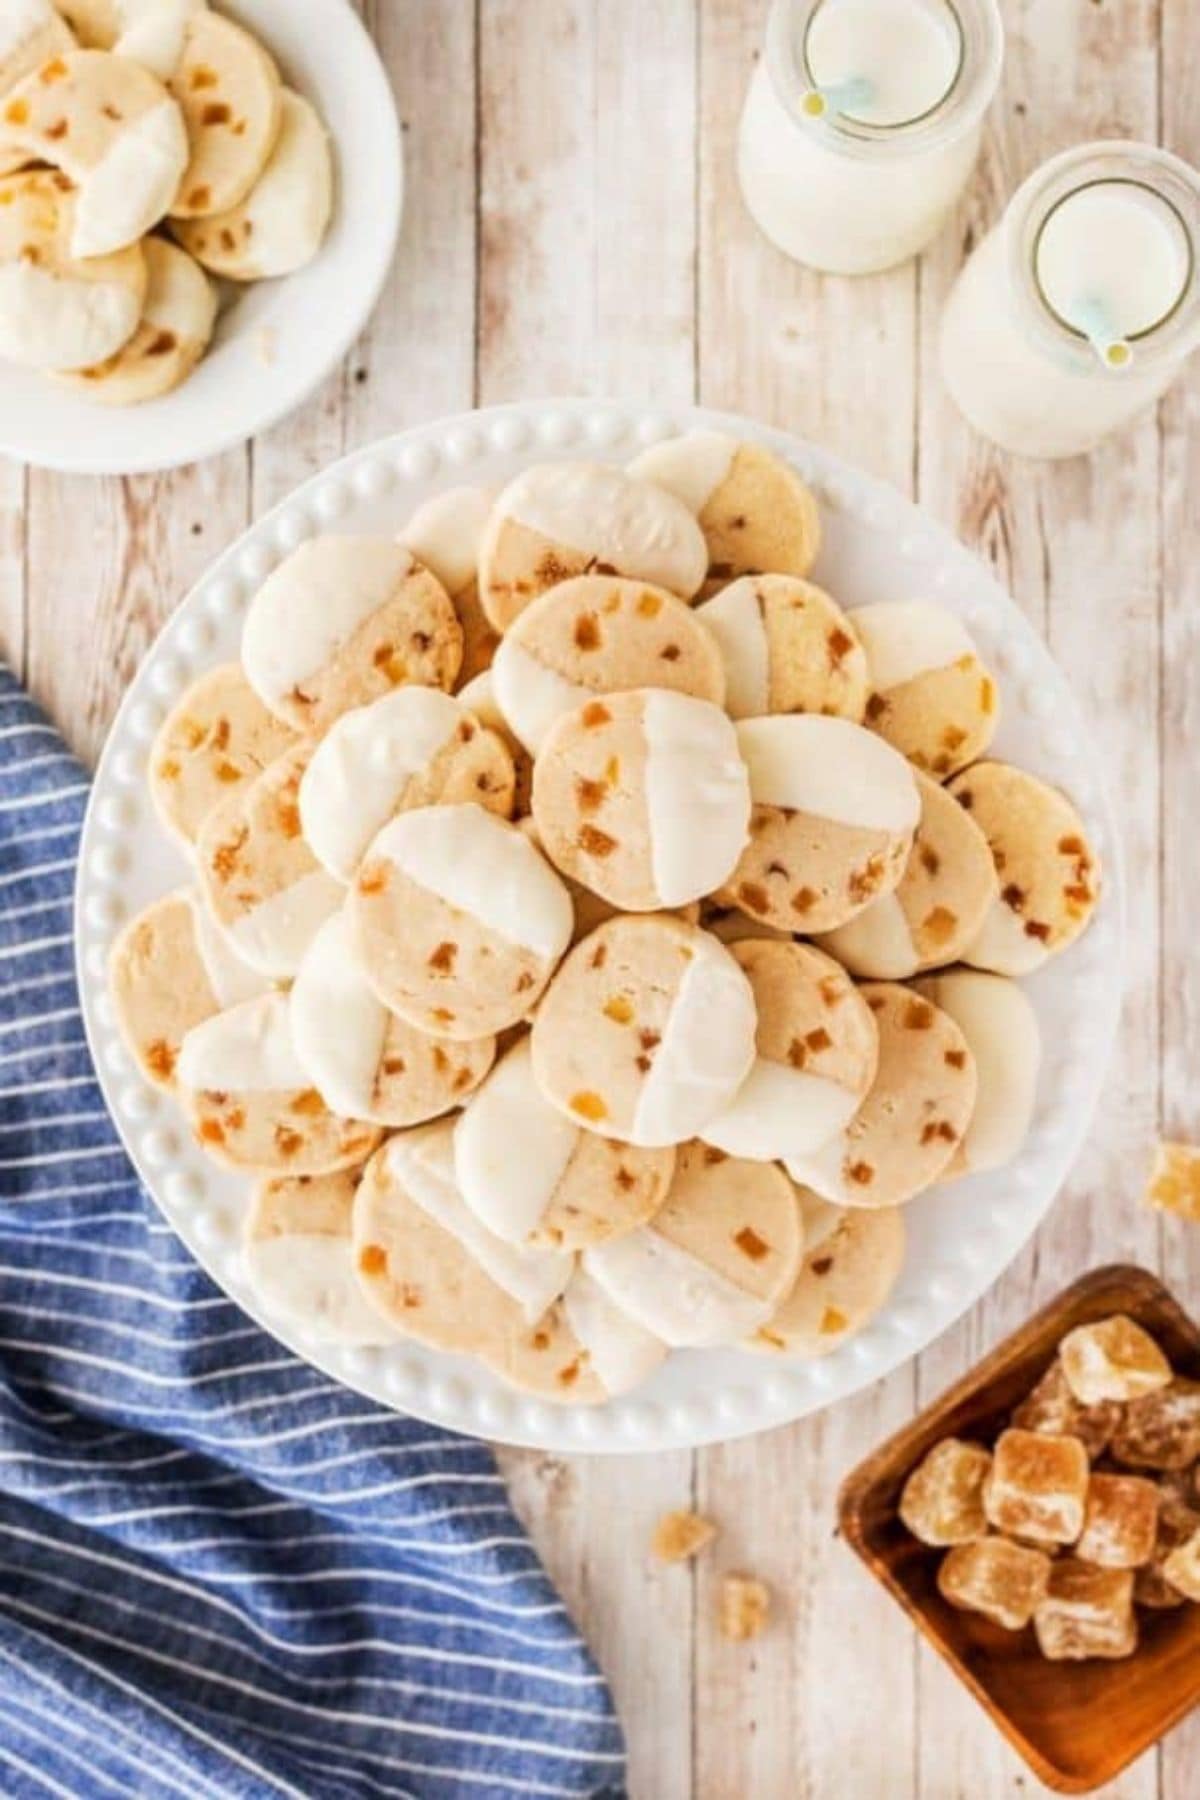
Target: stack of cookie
577 889
118 117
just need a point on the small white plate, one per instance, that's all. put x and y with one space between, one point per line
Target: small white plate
276 340
877 547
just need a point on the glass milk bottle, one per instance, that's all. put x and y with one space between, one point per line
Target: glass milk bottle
1078 310
863 122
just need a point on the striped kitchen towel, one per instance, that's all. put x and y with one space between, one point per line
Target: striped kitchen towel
221 1574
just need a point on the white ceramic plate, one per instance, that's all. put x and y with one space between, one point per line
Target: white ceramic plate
877 547
276 340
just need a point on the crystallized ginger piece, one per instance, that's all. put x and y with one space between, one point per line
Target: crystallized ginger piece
680 1535
1087 1612
1037 1486
744 1608
1052 1408
942 1502
1182 1567
1004 1581
1112 1359
1161 1430
1174 1184
1120 1524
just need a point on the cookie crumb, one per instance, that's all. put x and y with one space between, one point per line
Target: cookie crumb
678 1536
744 1609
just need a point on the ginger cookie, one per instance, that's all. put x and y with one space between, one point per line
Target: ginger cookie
787 647
32 34
849 1270
1002 1033
479 697
584 1350
298 1256
59 310
178 316
218 737
931 696
756 514
445 533
231 97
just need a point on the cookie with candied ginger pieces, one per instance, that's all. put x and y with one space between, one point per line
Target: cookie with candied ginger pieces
444 533
216 739
342 621
816 1050
1174 1184
299 1259
176 327
643 797
151 32
556 520
1002 1032
33 34
1048 872
457 920
787 647
479 697
938 906
832 824
852 1261
714 1262
229 91
931 695
59 310
250 1102
904 1135
595 635
583 1349
646 1032
755 512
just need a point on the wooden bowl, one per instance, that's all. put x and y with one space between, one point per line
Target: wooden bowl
1076 1724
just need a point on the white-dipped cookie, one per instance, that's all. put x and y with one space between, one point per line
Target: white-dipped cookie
816 1051
298 1255
938 908
31 33
931 696
479 697
458 920
231 97
835 810
756 514
852 1261
217 737
643 797
176 327
445 533
647 1031
57 310
786 647
556 520
152 32
1002 1033
620 1352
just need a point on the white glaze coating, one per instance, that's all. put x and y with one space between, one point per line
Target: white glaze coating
735 619
153 32
529 694
290 203
829 769
133 184
230 977
338 1026
706 1052
778 1112
1004 946
1002 1033
821 1170
672 1294
877 942
479 697
310 1282
642 531
20 22
621 1352
50 321
818 1219
692 467
907 638
697 795
511 1148
245 1050
273 936
445 532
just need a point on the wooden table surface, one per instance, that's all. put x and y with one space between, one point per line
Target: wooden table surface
574 226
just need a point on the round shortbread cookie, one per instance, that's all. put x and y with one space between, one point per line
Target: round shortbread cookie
1049 873
343 620
31 34
646 1032
931 696
112 128
298 1256
786 647
457 920
249 1101
176 328
599 634
907 1130
835 809
231 97
756 514
589 908
218 737
817 1048
263 885
414 747
643 797
939 907
732 926
479 697
535 1177
584 1349
152 32
59 311
361 1058
1002 1032
716 1259
445 533
849 1269
556 520
281 223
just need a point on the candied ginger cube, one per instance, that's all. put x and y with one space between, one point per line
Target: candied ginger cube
1052 1407
1120 1522
680 1535
1037 1487
942 1502
744 1608
1003 1581
1086 1612
1160 1430
1112 1359
1182 1567
1177 1520
1174 1184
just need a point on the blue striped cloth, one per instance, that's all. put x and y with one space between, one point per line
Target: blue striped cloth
221 1574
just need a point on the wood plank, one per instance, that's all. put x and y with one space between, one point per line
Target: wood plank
12 564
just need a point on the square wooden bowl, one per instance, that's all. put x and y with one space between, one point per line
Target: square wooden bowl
1076 1724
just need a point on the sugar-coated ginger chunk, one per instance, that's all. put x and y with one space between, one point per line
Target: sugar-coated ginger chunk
1052 1407
1160 1430
942 1502
680 1535
1120 1524
1112 1359
1182 1567
745 1607
1004 1581
1174 1184
1037 1487
1087 1612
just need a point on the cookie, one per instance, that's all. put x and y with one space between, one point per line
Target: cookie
57 310
621 1353
1002 1033
113 130
816 1052
643 797
362 1059
732 926
261 882
1049 874
250 1103
298 1257
599 634
563 1188
716 1259
176 327
457 920
281 223
646 1032
31 33
343 620
218 737
556 520
479 697
152 32
414 747
231 97
835 810
786 647
851 1264
948 885
95 23
906 1132
444 533
931 696
755 512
